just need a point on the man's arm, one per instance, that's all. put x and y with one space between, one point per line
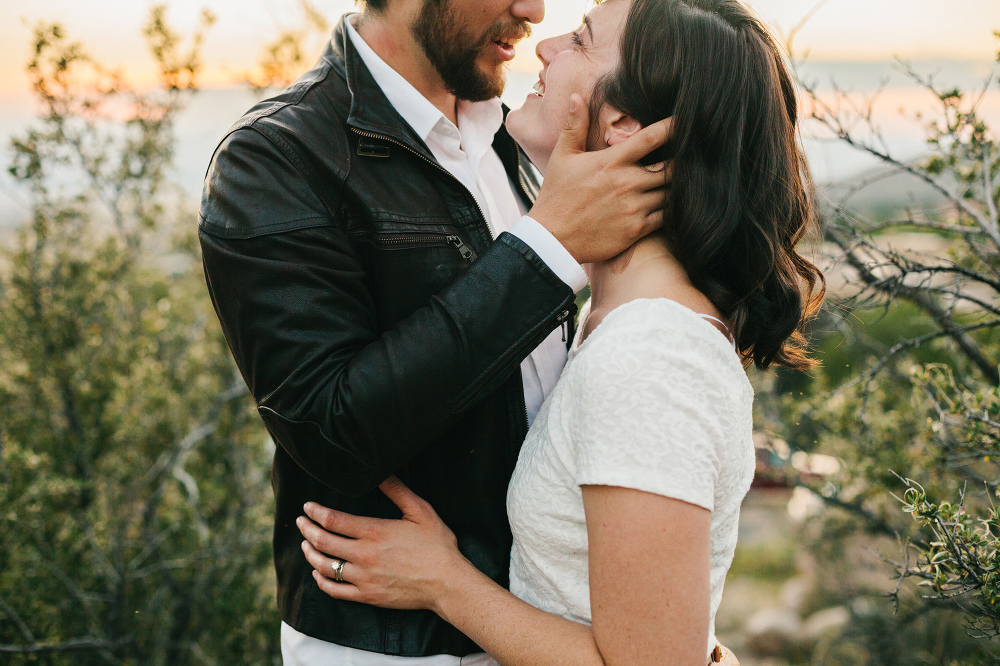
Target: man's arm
349 404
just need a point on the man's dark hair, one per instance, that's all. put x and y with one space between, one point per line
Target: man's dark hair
740 198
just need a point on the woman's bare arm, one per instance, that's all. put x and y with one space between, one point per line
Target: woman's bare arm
649 579
649 576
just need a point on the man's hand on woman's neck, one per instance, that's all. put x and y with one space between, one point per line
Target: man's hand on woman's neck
389 36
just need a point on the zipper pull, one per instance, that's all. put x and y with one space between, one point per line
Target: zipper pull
464 249
561 320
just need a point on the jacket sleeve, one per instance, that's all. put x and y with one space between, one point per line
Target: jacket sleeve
351 405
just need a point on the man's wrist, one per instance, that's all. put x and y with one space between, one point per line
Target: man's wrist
551 251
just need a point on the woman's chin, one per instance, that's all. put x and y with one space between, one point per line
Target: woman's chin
524 127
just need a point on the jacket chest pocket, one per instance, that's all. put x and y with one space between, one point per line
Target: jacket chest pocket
412 241
404 269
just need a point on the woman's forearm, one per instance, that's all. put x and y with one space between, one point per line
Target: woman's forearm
514 632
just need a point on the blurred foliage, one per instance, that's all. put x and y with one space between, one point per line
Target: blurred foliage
135 507
768 562
294 49
907 398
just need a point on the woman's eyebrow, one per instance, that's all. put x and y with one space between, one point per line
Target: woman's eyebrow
589 26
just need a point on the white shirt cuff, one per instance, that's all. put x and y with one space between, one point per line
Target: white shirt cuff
551 251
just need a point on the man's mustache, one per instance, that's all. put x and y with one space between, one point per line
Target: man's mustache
508 33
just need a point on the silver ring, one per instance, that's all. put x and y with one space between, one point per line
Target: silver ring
338 570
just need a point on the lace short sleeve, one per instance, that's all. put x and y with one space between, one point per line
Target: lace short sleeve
651 406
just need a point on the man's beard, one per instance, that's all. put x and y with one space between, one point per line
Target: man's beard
453 51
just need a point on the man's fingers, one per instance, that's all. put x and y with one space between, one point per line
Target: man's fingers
653 222
650 178
339 522
659 174
653 200
573 138
643 142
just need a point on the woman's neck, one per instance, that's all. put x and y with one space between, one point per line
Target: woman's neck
646 270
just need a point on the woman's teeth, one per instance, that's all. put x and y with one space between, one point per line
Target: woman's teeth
539 88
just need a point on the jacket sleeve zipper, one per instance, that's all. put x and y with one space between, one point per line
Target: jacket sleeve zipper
513 351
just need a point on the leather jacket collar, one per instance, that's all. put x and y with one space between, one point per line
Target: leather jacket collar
370 111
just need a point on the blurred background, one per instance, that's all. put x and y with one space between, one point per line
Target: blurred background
134 495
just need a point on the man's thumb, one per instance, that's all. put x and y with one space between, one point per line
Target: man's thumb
574 135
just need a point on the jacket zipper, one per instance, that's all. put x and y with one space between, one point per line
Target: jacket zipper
520 177
524 406
524 191
412 240
434 164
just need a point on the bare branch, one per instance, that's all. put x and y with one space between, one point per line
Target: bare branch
72 645
988 186
18 622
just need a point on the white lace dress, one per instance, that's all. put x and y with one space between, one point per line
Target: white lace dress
654 399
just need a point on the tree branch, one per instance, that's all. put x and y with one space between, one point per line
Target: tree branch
72 645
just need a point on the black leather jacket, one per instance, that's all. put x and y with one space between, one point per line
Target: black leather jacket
378 326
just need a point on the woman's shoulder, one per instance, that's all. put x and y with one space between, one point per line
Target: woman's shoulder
659 402
658 351
661 329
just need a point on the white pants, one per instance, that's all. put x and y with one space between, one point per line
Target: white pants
297 649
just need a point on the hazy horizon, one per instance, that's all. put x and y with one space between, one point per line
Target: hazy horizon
839 30
862 62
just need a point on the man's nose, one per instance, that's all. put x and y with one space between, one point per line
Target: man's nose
532 11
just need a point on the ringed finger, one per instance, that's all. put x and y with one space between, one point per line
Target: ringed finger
343 591
325 565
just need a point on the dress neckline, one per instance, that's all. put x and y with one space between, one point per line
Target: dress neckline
579 342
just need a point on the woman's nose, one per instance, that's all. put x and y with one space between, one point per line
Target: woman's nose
549 48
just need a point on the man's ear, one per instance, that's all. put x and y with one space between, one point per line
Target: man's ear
620 127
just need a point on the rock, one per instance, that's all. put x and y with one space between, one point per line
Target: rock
827 620
773 631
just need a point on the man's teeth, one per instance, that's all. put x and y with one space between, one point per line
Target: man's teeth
539 88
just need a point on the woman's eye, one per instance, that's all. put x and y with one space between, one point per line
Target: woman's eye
576 39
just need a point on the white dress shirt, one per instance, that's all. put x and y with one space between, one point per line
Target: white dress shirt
466 152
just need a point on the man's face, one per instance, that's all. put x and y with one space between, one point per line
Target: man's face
470 42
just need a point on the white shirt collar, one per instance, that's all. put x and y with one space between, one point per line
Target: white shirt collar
479 121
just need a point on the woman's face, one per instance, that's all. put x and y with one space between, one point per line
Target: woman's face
571 63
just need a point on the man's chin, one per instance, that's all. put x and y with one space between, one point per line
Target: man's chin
492 73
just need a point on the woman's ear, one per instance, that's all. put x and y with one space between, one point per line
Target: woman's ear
620 127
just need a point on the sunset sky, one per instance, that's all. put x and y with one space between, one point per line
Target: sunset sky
840 30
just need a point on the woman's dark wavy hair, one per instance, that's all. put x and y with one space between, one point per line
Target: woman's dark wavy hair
741 198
